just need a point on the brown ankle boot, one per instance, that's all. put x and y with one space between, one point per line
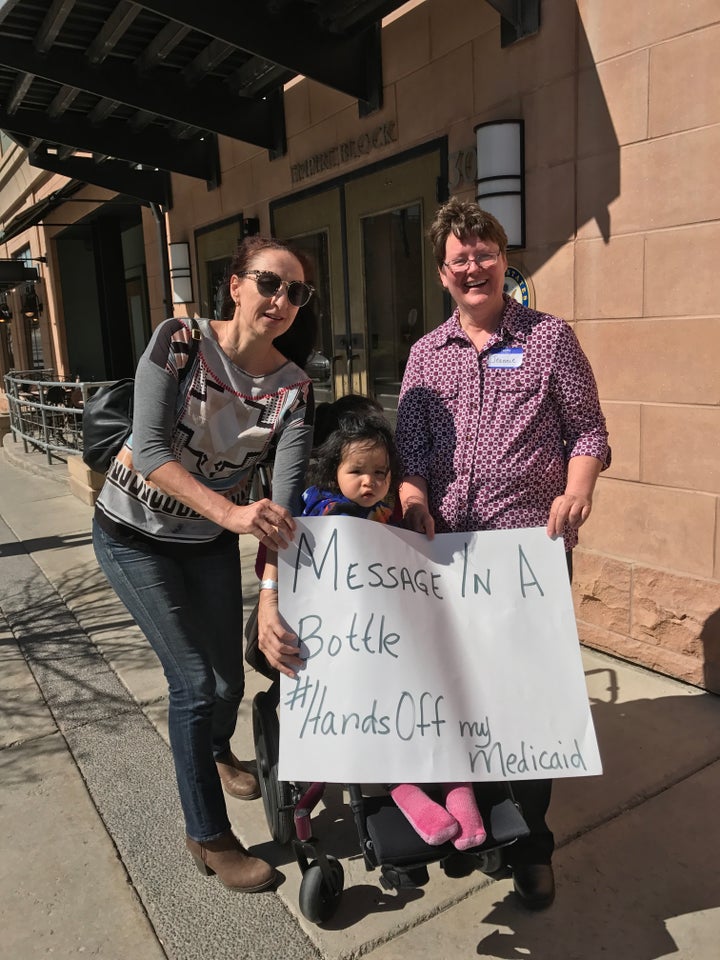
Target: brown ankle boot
237 778
234 866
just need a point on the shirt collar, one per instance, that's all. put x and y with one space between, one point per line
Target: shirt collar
516 320
514 325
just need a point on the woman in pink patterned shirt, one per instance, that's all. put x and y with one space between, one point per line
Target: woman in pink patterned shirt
512 436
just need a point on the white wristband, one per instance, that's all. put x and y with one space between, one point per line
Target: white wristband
268 585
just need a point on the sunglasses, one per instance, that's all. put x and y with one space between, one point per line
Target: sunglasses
268 284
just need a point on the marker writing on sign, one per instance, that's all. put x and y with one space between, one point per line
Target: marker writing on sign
472 582
367 640
524 758
415 715
354 576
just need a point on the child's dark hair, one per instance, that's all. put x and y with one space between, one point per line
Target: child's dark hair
369 429
329 416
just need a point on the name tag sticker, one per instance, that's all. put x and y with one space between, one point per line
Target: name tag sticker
507 358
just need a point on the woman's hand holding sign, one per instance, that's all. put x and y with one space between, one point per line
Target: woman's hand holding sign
573 506
416 512
278 643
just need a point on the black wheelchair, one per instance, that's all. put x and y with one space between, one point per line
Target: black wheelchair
386 840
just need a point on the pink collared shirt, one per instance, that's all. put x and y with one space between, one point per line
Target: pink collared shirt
491 432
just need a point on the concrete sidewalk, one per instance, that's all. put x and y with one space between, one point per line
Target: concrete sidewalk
93 855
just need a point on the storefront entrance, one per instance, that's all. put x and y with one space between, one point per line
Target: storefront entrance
377 284
105 303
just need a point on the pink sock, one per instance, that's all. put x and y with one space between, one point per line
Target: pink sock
460 802
431 821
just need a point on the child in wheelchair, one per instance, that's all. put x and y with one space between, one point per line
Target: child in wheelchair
354 472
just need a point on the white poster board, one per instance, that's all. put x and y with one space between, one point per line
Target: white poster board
431 661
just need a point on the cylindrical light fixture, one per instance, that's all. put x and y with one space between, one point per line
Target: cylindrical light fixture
31 306
180 275
501 175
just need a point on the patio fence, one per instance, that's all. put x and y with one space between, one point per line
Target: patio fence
46 413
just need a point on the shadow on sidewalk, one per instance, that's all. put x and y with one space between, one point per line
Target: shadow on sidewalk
633 845
53 624
38 544
644 841
634 890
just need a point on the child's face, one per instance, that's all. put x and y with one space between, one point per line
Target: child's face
364 473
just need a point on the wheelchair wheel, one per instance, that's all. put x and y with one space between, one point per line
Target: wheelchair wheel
276 794
318 899
491 862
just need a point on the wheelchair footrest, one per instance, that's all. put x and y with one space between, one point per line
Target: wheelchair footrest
395 842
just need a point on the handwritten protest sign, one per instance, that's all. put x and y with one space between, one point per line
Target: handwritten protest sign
443 660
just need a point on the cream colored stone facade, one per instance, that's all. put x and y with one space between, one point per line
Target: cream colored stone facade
621 104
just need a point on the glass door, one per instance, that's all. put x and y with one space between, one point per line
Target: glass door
215 248
138 313
378 290
394 292
314 225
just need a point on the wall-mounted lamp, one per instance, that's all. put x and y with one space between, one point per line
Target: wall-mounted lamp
250 226
501 175
180 275
31 306
5 311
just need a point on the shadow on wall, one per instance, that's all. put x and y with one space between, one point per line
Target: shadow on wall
598 149
710 637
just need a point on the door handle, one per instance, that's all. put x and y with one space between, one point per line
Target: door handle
348 357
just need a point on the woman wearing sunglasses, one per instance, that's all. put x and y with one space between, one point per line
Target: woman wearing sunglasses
167 522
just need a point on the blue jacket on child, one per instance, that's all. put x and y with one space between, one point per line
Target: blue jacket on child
324 503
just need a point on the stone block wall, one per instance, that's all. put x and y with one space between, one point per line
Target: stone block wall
662 620
647 575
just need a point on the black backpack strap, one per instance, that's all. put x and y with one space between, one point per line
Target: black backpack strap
195 338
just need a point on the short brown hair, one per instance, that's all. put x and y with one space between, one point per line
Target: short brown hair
464 218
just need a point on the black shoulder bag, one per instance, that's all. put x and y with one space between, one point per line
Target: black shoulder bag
107 416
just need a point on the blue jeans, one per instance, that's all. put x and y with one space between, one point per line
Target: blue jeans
190 610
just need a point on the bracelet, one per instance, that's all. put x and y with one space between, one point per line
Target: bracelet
268 585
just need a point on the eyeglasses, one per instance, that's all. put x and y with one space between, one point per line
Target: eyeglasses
268 284
461 264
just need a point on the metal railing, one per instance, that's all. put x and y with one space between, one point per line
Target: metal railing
46 413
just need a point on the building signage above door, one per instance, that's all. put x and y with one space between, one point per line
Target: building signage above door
345 152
